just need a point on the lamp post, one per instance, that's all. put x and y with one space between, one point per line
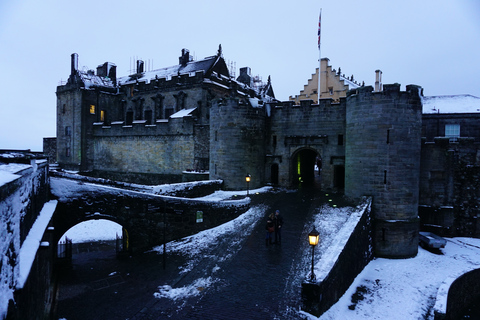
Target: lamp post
313 241
247 179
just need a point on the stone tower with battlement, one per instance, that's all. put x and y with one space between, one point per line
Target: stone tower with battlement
237 142
382 159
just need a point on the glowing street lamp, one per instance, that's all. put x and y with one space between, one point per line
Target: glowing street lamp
247 179
313 241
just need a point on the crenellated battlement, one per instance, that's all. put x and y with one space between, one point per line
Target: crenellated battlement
389 91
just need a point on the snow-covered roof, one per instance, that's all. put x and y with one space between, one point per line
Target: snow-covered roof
464 103
90 79
350 83
182 113
190 68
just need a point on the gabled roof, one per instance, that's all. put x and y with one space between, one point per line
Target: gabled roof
206 65
464 103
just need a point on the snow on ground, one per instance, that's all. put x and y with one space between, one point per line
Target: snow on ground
93 230
385 289
203 246
405 288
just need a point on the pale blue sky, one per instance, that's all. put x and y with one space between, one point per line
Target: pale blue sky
431 43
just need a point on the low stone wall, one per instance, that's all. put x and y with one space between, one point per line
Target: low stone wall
37 297
462 293
357 253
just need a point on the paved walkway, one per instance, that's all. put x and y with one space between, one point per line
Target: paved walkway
254 282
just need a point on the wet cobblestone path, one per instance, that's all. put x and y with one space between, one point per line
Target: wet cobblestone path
256 282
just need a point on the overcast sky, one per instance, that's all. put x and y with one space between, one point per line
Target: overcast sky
431 43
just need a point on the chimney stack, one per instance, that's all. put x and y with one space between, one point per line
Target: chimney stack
140 65
184 58
378 81
245 76
74 64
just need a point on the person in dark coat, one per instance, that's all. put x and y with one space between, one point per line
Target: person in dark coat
270 227
278 222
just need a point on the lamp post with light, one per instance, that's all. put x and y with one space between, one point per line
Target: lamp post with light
313 241
247 179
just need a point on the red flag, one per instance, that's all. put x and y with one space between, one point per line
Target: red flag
319 27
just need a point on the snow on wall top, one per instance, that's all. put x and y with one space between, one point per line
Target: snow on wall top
182 113
451 104
8 172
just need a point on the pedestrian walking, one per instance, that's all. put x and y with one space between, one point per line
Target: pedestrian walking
270 227
278 222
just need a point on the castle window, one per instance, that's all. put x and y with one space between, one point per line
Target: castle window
129 118
64 108
330 90
384 176
148 116
388 136
68 131
216 135
452 131
168 112
340 139
180 100
274 141
67 152
92 109
102 115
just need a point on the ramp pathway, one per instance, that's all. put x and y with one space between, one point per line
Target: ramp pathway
253 281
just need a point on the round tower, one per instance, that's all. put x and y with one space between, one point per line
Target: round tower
237 142
382 160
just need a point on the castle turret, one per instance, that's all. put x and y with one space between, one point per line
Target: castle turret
237 142
382 159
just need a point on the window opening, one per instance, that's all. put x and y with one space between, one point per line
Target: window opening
129 118
452 131
148 116
340 139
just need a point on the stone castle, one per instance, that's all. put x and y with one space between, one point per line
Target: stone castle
194 121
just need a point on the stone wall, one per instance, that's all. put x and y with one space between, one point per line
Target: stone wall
144 216
357 253
463 292
383 131
21 202
318 127
449 184
433 125
237 137
50 149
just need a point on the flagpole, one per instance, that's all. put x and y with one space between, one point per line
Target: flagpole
319 55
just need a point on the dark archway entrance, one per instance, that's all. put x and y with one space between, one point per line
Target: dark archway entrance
339 177
303 167
274 173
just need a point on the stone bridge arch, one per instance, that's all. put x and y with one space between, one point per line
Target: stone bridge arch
148 218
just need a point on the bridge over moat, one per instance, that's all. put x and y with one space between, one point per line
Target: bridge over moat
147 219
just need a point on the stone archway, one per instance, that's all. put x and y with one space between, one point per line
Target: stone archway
302 166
